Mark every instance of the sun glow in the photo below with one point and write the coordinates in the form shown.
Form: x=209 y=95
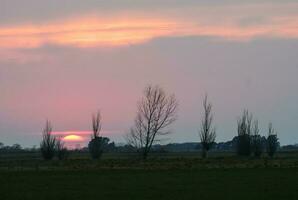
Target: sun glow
x=73 y=138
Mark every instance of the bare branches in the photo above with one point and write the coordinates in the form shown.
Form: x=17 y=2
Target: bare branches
x=96 y=145
x=207 y=132
x=257 y=144
x=244 y=128
x=245 y=124
x=156 y=111
x=271 y=130
x=48 y=143
x=96 y=124
x=255 y=128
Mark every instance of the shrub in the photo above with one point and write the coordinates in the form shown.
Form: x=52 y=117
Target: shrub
x=62 y=152
x=257 y=145
x=48 y=143
x=97 y=146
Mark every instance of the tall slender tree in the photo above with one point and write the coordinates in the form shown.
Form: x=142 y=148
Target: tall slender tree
x=272 y=141
x=257 y=143
x=96 y=144
x=244 y=128
x=207 y=132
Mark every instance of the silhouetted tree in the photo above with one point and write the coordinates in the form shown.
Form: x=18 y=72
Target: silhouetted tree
x=244 y=127
x=62 y=152
x=1 y=148
x=97 y=142
x=48 y=143
x=257 y=144
x=11 y=149
x=156 y=111
x=16 y=147
x=207 y=132
x=110 y=147
x=272 y=141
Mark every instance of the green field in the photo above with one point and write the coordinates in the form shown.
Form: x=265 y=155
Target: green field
x=162 y=176
x=151 y=184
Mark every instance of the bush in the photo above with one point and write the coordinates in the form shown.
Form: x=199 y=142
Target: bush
x=96 y=146
x=48 y=143
x=243 y=145
x=257 y=145
x=62 y=152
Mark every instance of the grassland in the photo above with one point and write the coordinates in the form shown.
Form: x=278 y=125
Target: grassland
x=151 y=184
x=163 y=176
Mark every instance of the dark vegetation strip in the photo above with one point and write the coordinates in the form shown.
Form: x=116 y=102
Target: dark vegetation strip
x=80 y=162
x=153 y=184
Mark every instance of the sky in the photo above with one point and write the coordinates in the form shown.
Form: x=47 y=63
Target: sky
x=64 y=60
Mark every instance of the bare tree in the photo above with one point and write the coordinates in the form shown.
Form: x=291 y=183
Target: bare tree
x=48 y=143
x=1 y=145
x=272 y=141
x=244 y=128
x=207 y=132
x=96 y=124
x=96 y=144
x=156 y=111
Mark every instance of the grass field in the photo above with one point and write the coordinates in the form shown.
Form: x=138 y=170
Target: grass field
x=151 y=184
x=163 y=176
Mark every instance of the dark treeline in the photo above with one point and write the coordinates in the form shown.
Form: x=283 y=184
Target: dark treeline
x=111 y=147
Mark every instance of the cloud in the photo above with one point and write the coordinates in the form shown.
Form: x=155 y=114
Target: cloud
x=241 y=22
x=85 y=32
x=95 y=31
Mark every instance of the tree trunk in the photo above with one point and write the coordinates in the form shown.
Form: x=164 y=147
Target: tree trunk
x=145 y=155
x=204 y=153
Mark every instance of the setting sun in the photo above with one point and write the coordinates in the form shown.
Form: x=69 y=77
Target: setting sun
x=73 y=138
